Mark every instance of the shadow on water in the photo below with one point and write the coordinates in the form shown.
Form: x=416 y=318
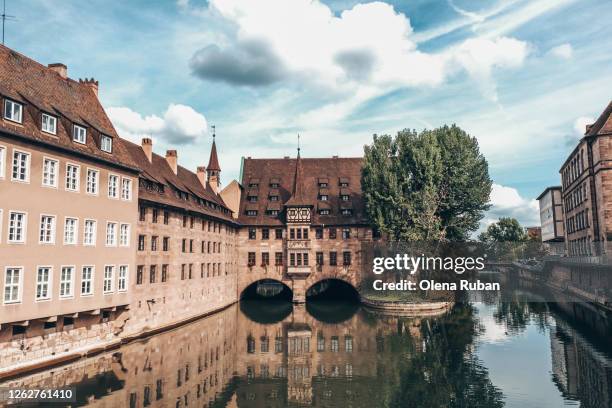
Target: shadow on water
x=266 y=311
x=332 y=301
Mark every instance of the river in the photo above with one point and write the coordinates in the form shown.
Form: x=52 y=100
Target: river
x=339 y=354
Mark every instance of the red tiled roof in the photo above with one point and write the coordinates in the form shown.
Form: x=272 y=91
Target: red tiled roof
x=264 y=172
x=298 y=197
x=158 y=171
x=40 y=89
x=213 y=162
x=603 y=124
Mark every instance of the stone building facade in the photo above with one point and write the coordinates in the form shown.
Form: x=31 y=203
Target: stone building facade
x=587 y=190
x=551 y=214
x=68 y=212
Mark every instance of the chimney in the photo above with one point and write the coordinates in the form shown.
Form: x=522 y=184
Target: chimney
x=201 y=172
x=172 y=159
x=147 y=148
x=91 y=83
x=60 y=68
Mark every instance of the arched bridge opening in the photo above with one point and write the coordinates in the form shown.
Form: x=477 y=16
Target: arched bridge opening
x=268 y=289
x=332 y=289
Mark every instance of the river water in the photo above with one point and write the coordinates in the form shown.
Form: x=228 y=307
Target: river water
x=339 y=354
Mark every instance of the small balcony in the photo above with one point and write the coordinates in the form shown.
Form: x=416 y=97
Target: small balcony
x=298 y=244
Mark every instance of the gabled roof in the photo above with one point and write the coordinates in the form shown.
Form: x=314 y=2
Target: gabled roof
x=213 y=162
x=263 y=173
x=186 y=181
x=40 y=89
x=603 y=124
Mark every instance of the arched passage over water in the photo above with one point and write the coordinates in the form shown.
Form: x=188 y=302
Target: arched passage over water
x=332 y=289
x=269 y=289
x=332 y=301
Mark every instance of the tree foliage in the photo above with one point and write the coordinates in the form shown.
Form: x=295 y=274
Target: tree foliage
x=433 y=185
x=505 y=230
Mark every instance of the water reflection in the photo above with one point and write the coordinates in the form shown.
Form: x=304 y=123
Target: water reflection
x=264 y=354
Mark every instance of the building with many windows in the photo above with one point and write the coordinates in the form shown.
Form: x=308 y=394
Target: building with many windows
x=551 y=214
x=587 y=189
x=68 y=211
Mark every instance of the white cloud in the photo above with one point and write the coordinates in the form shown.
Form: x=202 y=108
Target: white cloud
x=580 y=125
x=507 y=202
x=563 y=51
x=180 y=124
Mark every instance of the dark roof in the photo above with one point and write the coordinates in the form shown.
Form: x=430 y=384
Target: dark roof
x=40 y=89
x=213 y=162
x=603 y=124
x=298 y=196
x=263 y=172
x=547 y=189
x=159 y=172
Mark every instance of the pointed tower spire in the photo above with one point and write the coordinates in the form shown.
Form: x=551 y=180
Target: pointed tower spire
x=213 y=170
x=298 y=196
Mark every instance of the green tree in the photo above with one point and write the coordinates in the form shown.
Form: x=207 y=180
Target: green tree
x=432 y=185
x=505 y=230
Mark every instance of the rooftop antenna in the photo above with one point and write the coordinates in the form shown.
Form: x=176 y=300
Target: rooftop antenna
x=299 y=145
x=4 y=18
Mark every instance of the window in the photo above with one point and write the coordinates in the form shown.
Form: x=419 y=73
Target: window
x=12 y=283
x=124 y=235
x=49 y=123
x=17 y=227
x=166 y=243
x=319 y=258
x=66 y=277
x=333 y=258
x=278 y=258
x=265 y=259
x=141 y=242
x=346 y=258
x=139 y=273
x=292 y=233
x=13 y=111
x=252 y=199
x=334 y=346
x=154 y=243
x=152 y=273
x=154 y=215
x=2 y=160
x=323 y=197
x=43 y=279
x=166 y=217
x=49 y=176
x=164 y=275
x=278 y=233
x=106 y=144
x=348 y=344
x=21 y=166
x=251 y=213
x=47 y=229
x=319 y=233
x=126 y=189
x=79 y=134
x=89 y=232
x=109 y=275
x=347 y=211
x=344 y=197
x=324 y=211
x=113 y=185
x=72 y=177
x=265 y=233
x=332 y=233
x=184 y=221
x=252 y=233
x=273 y=198
x=346 y=233
x=92 y=181
x=111 y=234
x=251 y=259
x=87 y=274
x=70 y=231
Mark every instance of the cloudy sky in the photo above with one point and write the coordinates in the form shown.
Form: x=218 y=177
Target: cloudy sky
x=523 y=76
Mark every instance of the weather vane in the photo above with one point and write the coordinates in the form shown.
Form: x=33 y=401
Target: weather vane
x=5 y=17
x=213 y=127
x=299 y=144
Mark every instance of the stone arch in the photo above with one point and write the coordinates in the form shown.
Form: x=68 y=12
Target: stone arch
x=267 y=288
x=317 y=288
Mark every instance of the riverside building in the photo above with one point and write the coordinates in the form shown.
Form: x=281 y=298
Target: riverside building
x=68 y=212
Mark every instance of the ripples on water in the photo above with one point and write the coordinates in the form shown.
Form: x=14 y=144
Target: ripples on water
x=338 y=354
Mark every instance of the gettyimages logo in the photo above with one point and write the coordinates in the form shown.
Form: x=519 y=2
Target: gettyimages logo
x=412 y=264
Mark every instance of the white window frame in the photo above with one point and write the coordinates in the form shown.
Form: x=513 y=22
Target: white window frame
x=110 y=143
x=114 y=236
x=129 y=190
x=51 y=120
x=96 y=182
x=54 y=175
x=24 y=229
x=49 y=283
x=78 y=178
x=2 y=161
x=27 y=166
x=124 y=242
x=110 y=279
x=93 y=234
x=76 y=134
x=75 y=231
x=19 y=285
x=116 y=187
x=53 y=229
x=13 y=104
x=90 y=280
x=123 y=279
x=62 y=281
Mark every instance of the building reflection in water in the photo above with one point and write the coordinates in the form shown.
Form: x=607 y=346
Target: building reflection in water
x=279 y=355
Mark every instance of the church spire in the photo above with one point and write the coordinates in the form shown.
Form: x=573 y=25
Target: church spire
x=213 y=170
x=298 y=197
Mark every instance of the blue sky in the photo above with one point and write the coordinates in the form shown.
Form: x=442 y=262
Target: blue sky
x=521 y=75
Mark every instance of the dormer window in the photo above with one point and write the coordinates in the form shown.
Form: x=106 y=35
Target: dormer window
x=13 y=111
x=273 y=212
x=323 y=197
x=79 y=134
x=344 y=197
x=322 y=185
x=347 y=211
x=106 y=144
x=252 y=199
x=49 y=124
x=344 y=184
x=251 y=213
x=273 y=185
x=253 y=185
x=274 y=198
x=324 y=212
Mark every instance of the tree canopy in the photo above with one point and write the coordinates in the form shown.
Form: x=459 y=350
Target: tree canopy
x=432 y=186
x=505 y=230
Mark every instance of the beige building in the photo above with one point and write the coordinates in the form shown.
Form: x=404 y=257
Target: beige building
x=551 y=214
x=68 y=212
x=587 y=189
